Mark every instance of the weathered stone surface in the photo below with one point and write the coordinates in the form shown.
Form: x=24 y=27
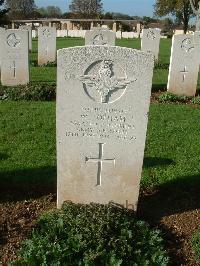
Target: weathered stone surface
x=2 y=32
x=151 y=41
x=98 y=36
x=103 y=96
x=29 y=29
x=15 y=58
x=46 y=45
x=184 y=65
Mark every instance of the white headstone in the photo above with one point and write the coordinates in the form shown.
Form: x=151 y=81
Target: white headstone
x=197 y=41
x=29 y=29
x=2 y=36
x=138 y=29
x=103 y=96
x=34 y=34
x=151 y=41
x=118 y=34
x=98 y=36
x=184 y=65
x=15 y=58
x=46 y=45
x=129 y=35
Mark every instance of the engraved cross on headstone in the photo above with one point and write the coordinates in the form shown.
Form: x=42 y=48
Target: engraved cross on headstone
x=184 y=72
x=100 y=160
x=13 y=67
x=46 y=50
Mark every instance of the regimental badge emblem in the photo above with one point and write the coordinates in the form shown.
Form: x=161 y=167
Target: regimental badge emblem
x=187 y=45
x=47 y=33
x=151 y=35
x=99 y=39
x=13 y=40
x=105 y=82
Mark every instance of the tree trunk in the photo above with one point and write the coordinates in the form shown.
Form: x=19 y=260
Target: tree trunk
x=186 y=16
x=185 y=25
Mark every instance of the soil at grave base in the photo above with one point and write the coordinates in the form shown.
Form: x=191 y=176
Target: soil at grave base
x=18 y=218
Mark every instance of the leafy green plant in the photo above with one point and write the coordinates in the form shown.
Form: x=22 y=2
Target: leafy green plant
x=196 y=245
x=93 y=235
x=196 y=100
x=170 y=97
x=34 y=63
x=30 y=92
x=49 y=64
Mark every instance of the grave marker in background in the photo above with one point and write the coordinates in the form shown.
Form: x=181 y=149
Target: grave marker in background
x=2 y=32
x=15 y=58
x=100 y=36
x=184 y=65
x=151 y=41
x=29 y=29
x=103 y=97
x=46 y=45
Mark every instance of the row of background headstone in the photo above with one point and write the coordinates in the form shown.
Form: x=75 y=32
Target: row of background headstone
x=184 y=63
x=81 y=34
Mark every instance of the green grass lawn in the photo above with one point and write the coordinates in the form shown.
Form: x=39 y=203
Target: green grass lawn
x=28 y=151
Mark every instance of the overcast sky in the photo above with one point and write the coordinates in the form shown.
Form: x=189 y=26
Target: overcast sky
x=131 y=7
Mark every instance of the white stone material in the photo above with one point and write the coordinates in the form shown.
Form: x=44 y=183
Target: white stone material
x=77 y=33
x=15 y=58
x=99 y=36
x=2 y=37
x=62 y=33
x=177 y=32
x=29 y=29
x=115 y=27
x=118 y=34
x=129 y=35
x=46 y=45
x=151 y=41
x=34 y=34
x=103 y=96
x=184 y=65
x=138 y=29
x=70 y=33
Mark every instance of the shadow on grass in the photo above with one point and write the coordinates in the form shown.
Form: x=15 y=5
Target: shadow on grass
x=173 y=197
x=156 y=161
x=34 y=63
x=3 y=156
x=27 y=183
x=159 y=87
